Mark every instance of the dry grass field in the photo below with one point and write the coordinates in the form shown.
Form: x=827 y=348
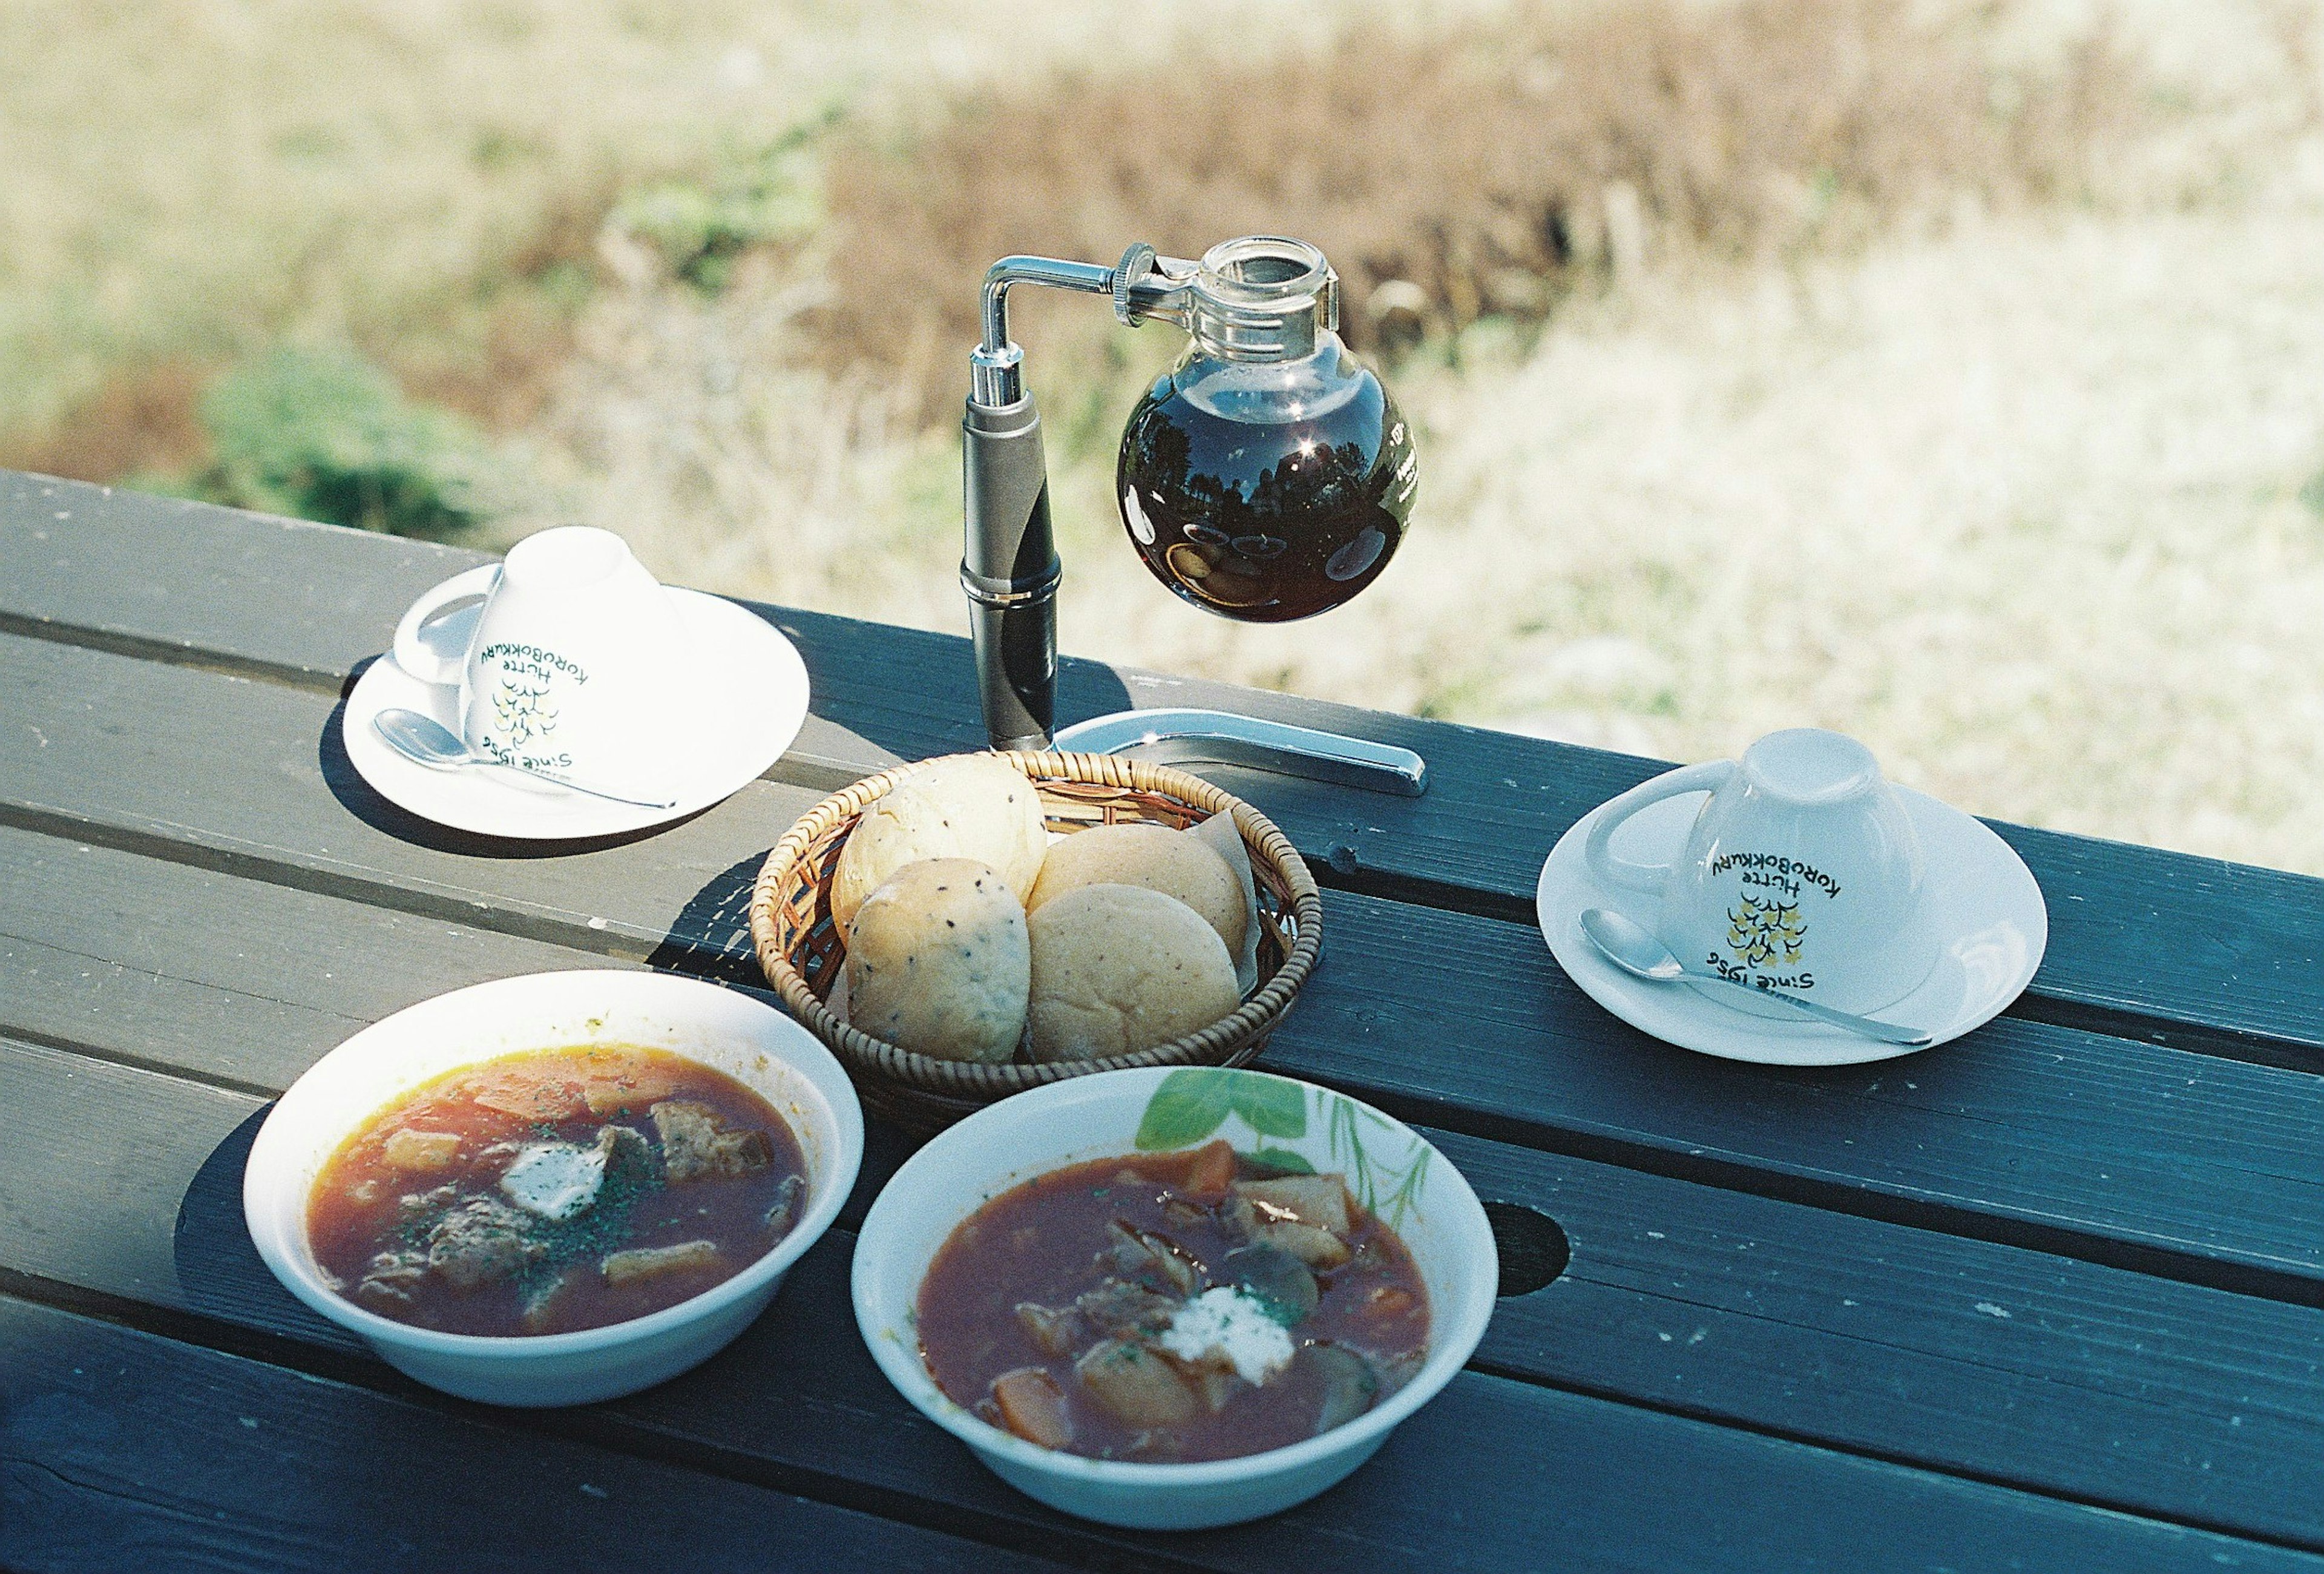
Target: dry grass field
x=1997 y=438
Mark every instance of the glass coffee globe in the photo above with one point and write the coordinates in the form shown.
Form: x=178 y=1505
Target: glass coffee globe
x=1267 y=475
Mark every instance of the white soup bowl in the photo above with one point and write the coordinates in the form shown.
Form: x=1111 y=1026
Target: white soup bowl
x=1390 y=1168
x=723 y=1029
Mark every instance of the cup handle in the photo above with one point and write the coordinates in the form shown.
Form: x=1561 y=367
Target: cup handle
x=1707 y=777
x=414 y=654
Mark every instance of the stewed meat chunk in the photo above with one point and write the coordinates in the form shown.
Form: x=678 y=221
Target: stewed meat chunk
x=696 y=1141
x=481 y=1240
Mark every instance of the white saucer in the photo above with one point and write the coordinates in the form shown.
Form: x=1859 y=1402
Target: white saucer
x=752 y=687
x=1990 y=920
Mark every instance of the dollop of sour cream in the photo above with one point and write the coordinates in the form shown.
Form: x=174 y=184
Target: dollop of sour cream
x=1233 y=1323
x=555 y=1179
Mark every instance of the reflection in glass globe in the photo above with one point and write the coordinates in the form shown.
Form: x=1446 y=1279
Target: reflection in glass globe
x=1267 y=490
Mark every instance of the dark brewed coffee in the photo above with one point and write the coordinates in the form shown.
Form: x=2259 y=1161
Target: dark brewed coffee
x=1267 y=520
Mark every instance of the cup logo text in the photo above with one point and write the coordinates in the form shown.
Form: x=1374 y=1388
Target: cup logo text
x=524 y=712
x=1765 y=942
x=1774 y=870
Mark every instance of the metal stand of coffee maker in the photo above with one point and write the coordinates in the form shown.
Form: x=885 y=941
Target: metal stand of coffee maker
x=1222 y=737
x=1010 y=569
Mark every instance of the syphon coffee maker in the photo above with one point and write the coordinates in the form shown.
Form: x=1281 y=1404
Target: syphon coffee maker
x=1265 y=476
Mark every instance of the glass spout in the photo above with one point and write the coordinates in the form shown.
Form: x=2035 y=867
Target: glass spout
x=1263 y=298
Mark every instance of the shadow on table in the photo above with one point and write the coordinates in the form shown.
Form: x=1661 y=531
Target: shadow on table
x=856 y=671
x=362 y=800
x=711 y=936
x=219 y=1270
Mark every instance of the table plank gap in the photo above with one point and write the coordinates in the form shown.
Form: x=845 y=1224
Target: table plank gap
x=130 y=1061
x=144 y=648
x=2194 y=1038
x=2037 y=1004
x=344 y=884
x=1839 y=1195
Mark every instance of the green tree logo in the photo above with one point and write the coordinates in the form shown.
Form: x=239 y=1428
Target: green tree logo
x=1759 y=932
x=522 y=710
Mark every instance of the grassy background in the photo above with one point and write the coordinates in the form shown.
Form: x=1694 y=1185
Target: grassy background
x=1943 y=372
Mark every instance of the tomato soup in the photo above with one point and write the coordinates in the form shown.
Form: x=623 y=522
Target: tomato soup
x=555 y=1190
x=1173 y=1307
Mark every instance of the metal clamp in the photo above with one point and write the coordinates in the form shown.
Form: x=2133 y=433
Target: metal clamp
x=1022 y=592
x=1136 y=264
x=1223 y=738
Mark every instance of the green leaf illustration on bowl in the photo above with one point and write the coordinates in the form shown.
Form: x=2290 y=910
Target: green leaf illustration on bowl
x=1191 y=1103
x=1388 y=1190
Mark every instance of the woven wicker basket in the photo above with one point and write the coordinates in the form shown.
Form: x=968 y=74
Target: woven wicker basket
x=801 y=948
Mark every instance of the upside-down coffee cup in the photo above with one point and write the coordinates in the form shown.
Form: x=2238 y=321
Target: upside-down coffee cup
x=1802 y=872
x=578 y=664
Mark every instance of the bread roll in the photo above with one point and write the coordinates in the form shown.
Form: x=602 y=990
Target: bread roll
x=1154 y=857
x=1119 y=968
x=968 y=806
x=939 y=961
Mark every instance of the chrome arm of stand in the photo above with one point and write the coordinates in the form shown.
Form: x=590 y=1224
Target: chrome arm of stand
x=1222 y=737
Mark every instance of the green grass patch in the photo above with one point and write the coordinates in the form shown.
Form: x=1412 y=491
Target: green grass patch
x=326 y=435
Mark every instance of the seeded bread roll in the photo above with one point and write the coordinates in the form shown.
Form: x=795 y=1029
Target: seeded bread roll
x=969 y=806
x=938 y=961
x=1154 y=857
x=1119 y=968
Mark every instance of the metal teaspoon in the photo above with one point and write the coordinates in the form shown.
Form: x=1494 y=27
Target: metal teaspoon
x=425 y=741
x=1637 y=950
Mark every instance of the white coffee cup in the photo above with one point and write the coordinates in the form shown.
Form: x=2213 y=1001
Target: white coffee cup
x=578 y=664
x=1802 y=872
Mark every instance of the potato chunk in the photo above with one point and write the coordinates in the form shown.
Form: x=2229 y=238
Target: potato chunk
x=1031 y=1405
x=652 y=1262
x=529 y=1097
x=418 y=1150
x=1317 y=1247
x=1053 y=1331
x=1136 y=1384
x=627 y=1093
x=1318 y=1200
x=1304 y=1214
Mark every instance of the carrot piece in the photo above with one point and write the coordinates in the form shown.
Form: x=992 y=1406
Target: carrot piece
x=1391 y=1301
x=1031 y=1405
x=1213 y=1170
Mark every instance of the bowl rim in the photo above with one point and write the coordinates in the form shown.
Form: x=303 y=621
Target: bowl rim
x=1449 y=1347
x=270 y=1156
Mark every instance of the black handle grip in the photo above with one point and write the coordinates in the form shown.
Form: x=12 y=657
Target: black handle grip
x=1010 y=569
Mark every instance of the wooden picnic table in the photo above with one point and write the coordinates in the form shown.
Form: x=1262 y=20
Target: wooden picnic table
x=2050 y=1296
